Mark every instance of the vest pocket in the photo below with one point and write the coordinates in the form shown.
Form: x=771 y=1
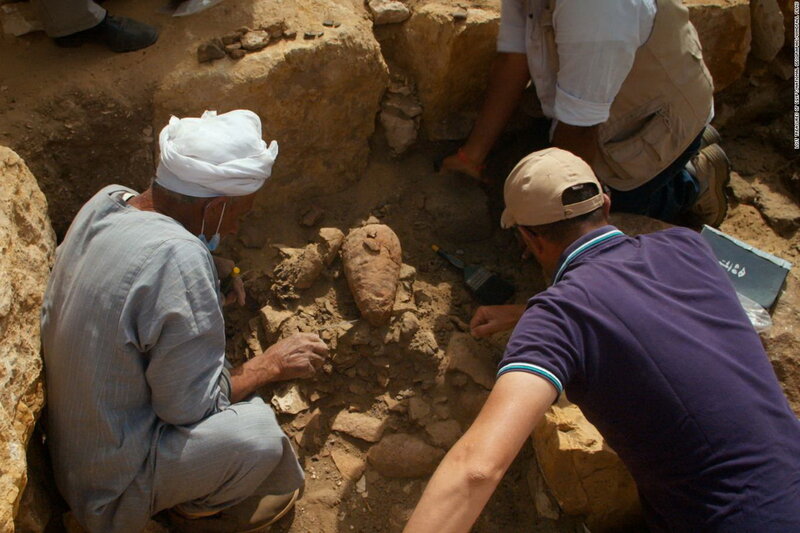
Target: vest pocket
x=643 y=153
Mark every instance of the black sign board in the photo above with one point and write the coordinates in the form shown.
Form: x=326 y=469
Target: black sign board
x=756 y=274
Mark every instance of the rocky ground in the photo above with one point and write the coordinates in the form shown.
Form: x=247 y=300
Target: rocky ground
x=372 y=426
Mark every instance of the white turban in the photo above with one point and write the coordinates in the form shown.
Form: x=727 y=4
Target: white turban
x=215 y=155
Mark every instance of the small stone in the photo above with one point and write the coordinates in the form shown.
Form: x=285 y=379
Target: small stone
x=312 y=216
x=388 y=12
x=418 y=409
x=331 y=23
x=407 y=272
x=231 y=38
x=309 y=35
x=459 y=15
x=404 y=456
x=289 y=400
x=741 y=189
x=359 y=425
x=276 y=29
x=210 y=51
x=233 y=46
x=408 y=326
x=361 y=486
x=290 y=34
x=350 y=466
x=237 y=54
x=444 y=433
x=255 y=40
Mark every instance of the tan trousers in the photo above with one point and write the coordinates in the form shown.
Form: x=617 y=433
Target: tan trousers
x=64 y=17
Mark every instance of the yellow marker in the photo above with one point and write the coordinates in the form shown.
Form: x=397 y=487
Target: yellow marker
x=226 y=284
x=434 y=247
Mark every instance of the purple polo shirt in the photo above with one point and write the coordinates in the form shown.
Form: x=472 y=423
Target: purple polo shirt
x=648 y=338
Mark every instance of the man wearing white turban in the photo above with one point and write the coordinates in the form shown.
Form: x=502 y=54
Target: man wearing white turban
x=145 y=414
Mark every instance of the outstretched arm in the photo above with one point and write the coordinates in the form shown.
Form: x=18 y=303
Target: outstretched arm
x=508 y=78
x=470 y=472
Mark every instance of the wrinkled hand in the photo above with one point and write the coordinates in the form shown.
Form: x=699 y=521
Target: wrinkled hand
x=494 y=318
x=298 y=356
x=455 y=164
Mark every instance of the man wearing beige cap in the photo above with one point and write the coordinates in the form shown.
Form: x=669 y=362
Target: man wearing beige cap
x=145 y=414
x=646 y=335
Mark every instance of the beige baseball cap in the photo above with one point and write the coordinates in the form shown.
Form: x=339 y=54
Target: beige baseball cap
x=534 y=189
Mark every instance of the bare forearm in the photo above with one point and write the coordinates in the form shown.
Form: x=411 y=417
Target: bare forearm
x=454 y=498
x=245 y=379
x=508 y=78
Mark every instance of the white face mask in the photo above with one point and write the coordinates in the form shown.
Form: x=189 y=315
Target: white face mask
x=214 y=242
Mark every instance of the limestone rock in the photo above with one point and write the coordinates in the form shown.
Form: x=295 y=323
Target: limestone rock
x=350 y=466
x=418 y=409
x=255 y=40
x=371 y=257
x=725 y=34
x=404 y=456
x=407 y=105
x=583 y=473
x=303 y=266
x=25 y=259
x=449 y=62
x=464 y=354
x=288 y=399
x=444 y=433
x=359 y=425
x=742 y=190
x=767 y=21
x=388 y=11
x=401 y=132
x=321 y=93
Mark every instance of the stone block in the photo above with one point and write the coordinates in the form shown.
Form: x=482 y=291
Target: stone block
x=25 y=260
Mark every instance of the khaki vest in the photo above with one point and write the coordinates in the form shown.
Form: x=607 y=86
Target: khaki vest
x=662 y=106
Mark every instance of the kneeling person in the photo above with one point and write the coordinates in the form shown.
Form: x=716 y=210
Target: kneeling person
x=647 y=337
x=144 y=413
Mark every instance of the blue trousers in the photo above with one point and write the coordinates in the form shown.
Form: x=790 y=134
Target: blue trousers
x=667 y=195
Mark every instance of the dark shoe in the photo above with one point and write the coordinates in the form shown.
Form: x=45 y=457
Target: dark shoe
x=120 y=34
x=254 y=514
x=712 y=170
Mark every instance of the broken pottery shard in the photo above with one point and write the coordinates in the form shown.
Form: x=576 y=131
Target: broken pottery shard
x=289 y=400
x=359 y=425
x=210 y=51
x=350 y=466
x=331 y=23
x=255 y=40
x=371 y=256
x=465 y=355
x=313 y=35
x=290 y=34
x=404 y=456
x=388 y=12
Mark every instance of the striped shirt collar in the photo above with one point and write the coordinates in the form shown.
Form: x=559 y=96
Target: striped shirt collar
x=580 y=246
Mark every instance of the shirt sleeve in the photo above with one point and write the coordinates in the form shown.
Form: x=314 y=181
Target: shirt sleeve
x=177 y=322
x=511 y=35
x=597 y=43
x=545 y=342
